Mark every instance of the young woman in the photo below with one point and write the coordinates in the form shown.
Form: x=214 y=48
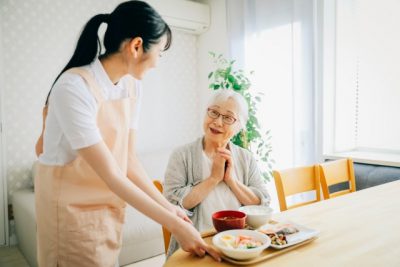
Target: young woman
x=87 y=164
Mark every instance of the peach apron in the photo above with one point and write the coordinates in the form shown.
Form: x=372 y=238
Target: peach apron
x=79 y=220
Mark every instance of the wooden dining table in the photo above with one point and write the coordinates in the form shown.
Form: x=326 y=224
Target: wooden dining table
x=357 y=229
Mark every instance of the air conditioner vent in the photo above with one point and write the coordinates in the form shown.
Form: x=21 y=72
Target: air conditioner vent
x=184 y=15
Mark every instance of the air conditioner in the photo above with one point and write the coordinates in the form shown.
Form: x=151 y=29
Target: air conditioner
x=187 y=16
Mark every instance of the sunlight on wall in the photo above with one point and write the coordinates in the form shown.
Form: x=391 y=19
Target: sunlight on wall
x=271 y=57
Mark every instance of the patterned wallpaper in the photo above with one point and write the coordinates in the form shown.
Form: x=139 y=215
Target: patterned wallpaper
x=38 y=37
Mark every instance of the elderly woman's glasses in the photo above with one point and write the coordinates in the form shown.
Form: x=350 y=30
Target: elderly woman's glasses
x=213 y=114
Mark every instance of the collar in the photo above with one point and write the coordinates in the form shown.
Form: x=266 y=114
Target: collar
x=102 y=76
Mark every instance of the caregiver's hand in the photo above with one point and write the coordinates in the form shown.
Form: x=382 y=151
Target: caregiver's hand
x=180 y=213
x=190 y=240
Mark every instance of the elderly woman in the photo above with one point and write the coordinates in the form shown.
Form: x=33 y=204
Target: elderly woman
x=212 y=173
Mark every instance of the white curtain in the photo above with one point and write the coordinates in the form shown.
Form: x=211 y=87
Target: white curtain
x=275 y=39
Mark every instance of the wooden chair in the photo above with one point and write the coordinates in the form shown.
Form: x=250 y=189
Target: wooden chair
x=336 y=172
x=166 y=233
x=294 y=181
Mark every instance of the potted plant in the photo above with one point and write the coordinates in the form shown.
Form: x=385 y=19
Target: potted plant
x=226 y=77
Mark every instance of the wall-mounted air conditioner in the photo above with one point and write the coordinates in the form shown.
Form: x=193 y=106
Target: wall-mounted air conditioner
x=184 y=15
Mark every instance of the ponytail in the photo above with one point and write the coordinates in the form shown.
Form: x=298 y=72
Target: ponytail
x=129 y=20
x=87 y=48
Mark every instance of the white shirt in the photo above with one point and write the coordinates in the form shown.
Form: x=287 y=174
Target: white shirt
x=220 y=198
x=71 y=120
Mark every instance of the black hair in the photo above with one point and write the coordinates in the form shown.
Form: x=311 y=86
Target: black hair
x=128 y=20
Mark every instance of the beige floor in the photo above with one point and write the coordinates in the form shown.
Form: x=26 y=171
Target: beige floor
x=12 y=257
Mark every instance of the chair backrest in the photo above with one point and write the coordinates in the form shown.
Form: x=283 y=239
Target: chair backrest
x=336 y=172
x=166 y=233
x=294 y=181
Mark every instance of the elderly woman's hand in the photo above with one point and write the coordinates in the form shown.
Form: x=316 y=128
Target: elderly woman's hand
x=218 y=168
x=227 y=155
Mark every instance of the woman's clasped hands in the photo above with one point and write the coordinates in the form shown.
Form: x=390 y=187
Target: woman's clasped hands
x=222 y=167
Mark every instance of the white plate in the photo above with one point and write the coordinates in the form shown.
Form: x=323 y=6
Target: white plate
x=303 y=234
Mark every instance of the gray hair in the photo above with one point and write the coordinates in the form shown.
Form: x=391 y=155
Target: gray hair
x=222 y=95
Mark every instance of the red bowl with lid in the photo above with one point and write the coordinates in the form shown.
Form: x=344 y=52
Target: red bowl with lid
x=228 y=219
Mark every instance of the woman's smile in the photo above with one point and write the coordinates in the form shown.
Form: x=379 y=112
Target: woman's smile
x=215 y=131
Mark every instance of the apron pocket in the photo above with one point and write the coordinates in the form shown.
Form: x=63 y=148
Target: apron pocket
x=93 y=237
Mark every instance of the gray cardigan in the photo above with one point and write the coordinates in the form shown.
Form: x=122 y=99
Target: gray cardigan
x=184 y=171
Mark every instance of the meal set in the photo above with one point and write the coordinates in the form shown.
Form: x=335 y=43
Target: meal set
x=261 y=232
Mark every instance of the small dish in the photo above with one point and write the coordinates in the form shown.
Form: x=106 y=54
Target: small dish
x=224 y=240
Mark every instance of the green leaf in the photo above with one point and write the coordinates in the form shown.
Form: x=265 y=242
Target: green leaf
x=237 y=86
x=210 y=74
x=216 y=86
x=231 y=79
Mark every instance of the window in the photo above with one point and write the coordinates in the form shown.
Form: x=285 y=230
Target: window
x=278 y=46
x=361 y=62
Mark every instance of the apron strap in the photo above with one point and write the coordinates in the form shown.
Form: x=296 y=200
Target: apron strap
x=131 y=87
x=131 y=84
x=91 y=82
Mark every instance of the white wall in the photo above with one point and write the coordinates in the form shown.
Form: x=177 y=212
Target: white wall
x=169 y=115
x=215 y=40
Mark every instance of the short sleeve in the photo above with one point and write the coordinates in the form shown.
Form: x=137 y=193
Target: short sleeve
x=75 y=109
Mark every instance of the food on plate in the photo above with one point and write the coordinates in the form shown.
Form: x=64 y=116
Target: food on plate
x=278 y=233
x=276 y=239
x=240 y=242
x=288 y=229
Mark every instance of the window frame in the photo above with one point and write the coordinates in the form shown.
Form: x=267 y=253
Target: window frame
x=325 y=81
